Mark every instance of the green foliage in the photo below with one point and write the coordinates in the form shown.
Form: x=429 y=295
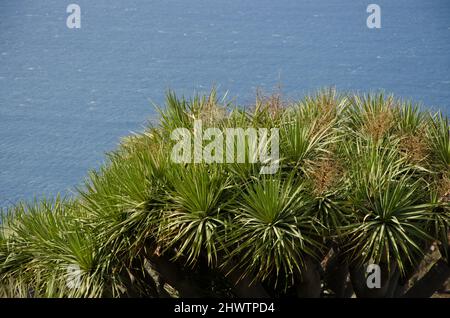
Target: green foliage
x=369 y=174
x=41 y=241
x=439 y=130
x=272 y=229
x=194 y=216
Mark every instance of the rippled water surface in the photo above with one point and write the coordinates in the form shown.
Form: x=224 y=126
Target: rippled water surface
x=68 y=95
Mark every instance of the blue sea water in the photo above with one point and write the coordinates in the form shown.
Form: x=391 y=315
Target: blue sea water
x=68 y=95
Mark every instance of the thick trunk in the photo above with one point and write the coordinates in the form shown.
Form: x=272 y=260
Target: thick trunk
x=310 y=284
x=242 y=285
x=336 y=276
x=403 y=282
x=140 y=284
x=135 y=284
x=393 y=284
x=174 y=276
x=411 y=270
x=431 y=282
